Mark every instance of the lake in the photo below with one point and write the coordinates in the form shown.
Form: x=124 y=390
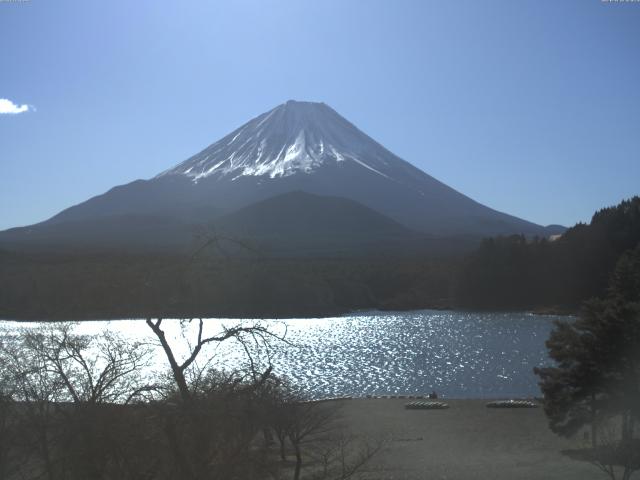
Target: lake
x=457 y=354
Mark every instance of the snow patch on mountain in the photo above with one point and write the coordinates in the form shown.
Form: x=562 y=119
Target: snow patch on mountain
x=293 y=138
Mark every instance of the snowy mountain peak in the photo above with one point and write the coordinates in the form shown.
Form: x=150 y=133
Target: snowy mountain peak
x=295 y=137
x=296 y=147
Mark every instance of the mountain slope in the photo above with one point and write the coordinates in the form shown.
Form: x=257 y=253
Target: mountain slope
x=297 y=146
x=124 y=232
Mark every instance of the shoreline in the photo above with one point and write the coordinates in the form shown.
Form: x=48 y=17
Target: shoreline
x=425 y=396
x=340 y=314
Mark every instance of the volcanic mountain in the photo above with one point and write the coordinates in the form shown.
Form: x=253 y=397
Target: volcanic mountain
x=301 y=147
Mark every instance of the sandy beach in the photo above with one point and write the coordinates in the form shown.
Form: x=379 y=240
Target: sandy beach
x=466 y=441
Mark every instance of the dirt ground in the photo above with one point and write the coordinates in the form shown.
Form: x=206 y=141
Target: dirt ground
x=467 y=441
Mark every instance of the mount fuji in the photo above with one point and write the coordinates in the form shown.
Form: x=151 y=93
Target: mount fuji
x=266 y=179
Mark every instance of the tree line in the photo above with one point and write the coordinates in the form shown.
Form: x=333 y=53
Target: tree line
x=519 y=273
x=107 y=285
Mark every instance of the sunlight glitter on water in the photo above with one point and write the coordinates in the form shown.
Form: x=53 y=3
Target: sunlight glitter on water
x=458 y=354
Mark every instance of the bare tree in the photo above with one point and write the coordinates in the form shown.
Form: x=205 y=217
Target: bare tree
x=69 y=387
x=37 y=391
x=93 y=369
x=316 y=435
x=11 y=457
x=344 y=456
x=179 y=368
x=211 y=426
x=78 y=419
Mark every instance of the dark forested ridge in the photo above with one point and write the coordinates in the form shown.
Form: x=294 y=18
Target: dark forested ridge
x=504 y=273
x=106 y=286
x=518 y=273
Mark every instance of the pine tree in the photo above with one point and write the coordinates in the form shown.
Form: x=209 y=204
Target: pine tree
x=597 y=371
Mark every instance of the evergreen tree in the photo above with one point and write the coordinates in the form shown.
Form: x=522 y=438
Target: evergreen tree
x=523 y=273
x=597 y=371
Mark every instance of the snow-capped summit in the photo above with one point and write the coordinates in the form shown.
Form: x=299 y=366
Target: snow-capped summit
x=295 y=137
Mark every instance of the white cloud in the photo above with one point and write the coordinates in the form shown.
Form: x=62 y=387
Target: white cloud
x=7 y=106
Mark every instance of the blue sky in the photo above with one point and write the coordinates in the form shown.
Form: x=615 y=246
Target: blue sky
x=530 y=107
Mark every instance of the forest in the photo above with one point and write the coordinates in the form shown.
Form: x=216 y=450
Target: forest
x=516 y=273
x=108 y=286
x=503 y=273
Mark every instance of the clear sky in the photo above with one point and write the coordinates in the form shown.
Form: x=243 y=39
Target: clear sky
x=531 y=107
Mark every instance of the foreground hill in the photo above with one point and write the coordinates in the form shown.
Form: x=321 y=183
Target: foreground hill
x=300 y=223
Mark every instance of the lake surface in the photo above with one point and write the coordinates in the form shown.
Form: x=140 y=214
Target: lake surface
x=457 y=354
